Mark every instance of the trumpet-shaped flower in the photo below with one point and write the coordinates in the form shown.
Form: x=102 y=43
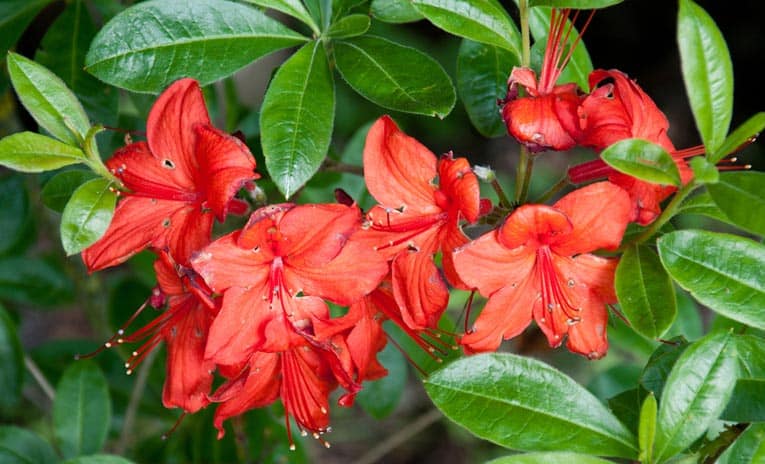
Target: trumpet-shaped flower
x=186 y=173
x=538 y=265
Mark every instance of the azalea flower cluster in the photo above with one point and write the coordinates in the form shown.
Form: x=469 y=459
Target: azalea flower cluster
x=252 y=306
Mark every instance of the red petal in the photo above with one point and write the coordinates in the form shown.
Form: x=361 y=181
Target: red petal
x=506 y=314
x=306 y=384
x=391 y=231
x=353 y=273
x=225 y=163
x=223 y=264
x=147 y=176
x=170 y=131
x=588 y=337
x=314 y=234
x=398 y=169
x=452 y=238
x=535 y=121
x=460 y=186
x=189 y=375
x=599 y=213
x=488 y=265
x=258 y=387
x=533 y=226
x=419 y=290
x=594 y=272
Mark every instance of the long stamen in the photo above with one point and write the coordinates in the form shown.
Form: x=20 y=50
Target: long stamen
x=117 y=338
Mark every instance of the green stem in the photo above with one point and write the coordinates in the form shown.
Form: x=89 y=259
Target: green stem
x=523 y=7
x=504 y=201
x=669 y=212
x=39 y=377
x=93 y=158
x=560 y=185
x=523 y=175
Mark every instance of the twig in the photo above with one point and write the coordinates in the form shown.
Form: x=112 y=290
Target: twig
x=400 y=437
x=142 y=377
x=45 y=386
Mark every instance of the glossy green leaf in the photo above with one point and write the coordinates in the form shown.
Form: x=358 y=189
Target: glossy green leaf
x=660 y=364
x=579 y=67
x=381 y=71
x=33 y=152
x=185 y=38
x=33 y=281
x=741 y=197
x=98 y=459
x=59 y=189
x=575 y=4
x=63 y=50
x=647 y=428
x=524 y=404
x=394 y=11
x=702 y=203
x=296 y=118
x=724 y=272
x=294 y=8
x=15 y=16
x=14 y=214
x=482 y=72
x=696 y=392
x=21 y=446
x=548 y=458
x=626 y=407
x=704 y=171
x=749 y=447
x=380 y=397
x=707 y=73
x=688 y=323
x=48 y=100
x=742 y=135
x=643 y=160
x=12 y=360
x=349 y=26
x=484 y=21
x=82 y=410
x=87 y=215
x=645 y=291
x=747 y=403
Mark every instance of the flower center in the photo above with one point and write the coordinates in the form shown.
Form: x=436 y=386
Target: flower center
x=554 y=295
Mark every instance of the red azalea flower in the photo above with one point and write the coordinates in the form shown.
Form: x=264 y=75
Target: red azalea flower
x=275 y=273
x=183 y=326
x=186 y=172
x=540 y=118
x=621 y=110
x=416 y=218
x=537 y=264
x=302 y=376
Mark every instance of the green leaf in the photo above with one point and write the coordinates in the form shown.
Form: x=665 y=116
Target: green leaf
x=12 y=360
x=87 y=215
x=626 y=407
x=707 y=72
x=32 y=152
x=742 y=135
x=660 y=364
x=645 y=291
x=482 y=72
x=296 y=118
x=747 y=403
x=33 y=281
x=575 y=4
x=63 y=50
x=48 y=100
x=349 y=26
x=15 y=16
x=82 y=410
x=59 y=189
x=380 y=398
x=741 y=197
x=696 y=392
x=643 y=160
x=381 y=71
x=548 y=458
x=749 y=448
x=186 y=38
x=704 y=171
x=98 y=459
x=14 y=215
x=579 y=67
x=394 y=11
x=293 y=8
x=524 y=404
x=703 y=204
x=20 y=446
x=724 y=272
x=647 y=428
x=688 y=323
x=484 y=21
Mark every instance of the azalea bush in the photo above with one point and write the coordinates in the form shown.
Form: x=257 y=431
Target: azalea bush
x=238 y=276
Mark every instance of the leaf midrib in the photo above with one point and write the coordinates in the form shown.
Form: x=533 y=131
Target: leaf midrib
x=507 y=45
